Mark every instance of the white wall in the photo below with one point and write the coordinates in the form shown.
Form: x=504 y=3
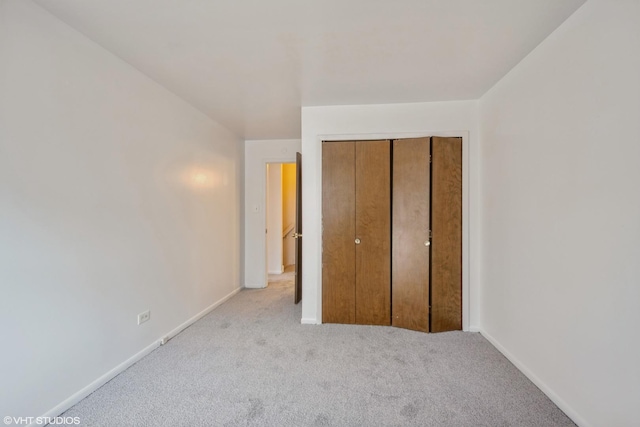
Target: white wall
x=561 y=214
x=257 y=154
x=274 y=218
x=458 y=118
x=115 y=197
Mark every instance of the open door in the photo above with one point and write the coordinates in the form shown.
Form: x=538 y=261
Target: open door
x=297 y=234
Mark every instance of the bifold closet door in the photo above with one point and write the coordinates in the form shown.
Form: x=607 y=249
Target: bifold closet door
x=416 y=282
x=446 y=229
x=338 y=232
x=373 y=232
x=410 y=258
x=356 y=237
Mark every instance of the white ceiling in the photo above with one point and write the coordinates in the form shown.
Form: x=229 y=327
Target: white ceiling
x=251 y=64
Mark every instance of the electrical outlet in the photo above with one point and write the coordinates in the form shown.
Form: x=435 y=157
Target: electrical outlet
x=143 y=317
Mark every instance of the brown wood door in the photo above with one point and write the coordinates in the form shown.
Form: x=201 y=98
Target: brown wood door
x=339 y=229
x=410 y=253
x=298 y=231
x=373 y=232
x=446 y=228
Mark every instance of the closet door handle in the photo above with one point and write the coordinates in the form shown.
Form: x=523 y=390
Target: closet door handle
x=357 y=241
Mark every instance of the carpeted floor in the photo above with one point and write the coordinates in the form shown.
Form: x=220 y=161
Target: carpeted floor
x=251 y=363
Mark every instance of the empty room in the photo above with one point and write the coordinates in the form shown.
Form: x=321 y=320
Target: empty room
x=320 y=213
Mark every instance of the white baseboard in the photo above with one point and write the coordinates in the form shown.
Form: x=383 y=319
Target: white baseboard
x=473 y=328
x=86 y=391
x=102 y=380
x=253 y=286
x=309 y=321
x=198 y=316
x=537 y=381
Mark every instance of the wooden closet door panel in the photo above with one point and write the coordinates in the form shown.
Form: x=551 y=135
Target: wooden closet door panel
x=373 y=228
x=446 y=228
x=338 y=223
x=410 y=255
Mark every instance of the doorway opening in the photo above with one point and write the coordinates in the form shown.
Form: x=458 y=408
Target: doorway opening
x=280 y=220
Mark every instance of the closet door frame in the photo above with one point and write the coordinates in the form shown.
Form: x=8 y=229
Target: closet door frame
x=466 y=262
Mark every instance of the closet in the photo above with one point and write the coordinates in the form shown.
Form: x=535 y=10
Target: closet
x=392 y=233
